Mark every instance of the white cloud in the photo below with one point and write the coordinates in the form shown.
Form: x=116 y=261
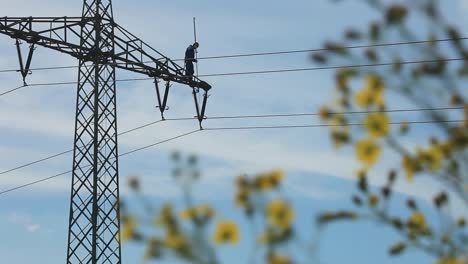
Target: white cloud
x=25 y=221
x=38 y=110
x=33 y=228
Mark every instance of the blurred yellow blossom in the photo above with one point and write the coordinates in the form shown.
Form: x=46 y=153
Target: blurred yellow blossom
x=279 y=259
x=128 y=229
x=276 y=176
x=340 y=137
x=377 y=124
x=263 y=183
x=374 y=83
x=367 y=151
x=338 y=120
x=166 y=216
x=280 y=214
x=410 y=166
x=226 y=233
x=452 y=260
x=372 y=94
x=431 y=158
x=366 y=98
x=373 y=200
x=202 y=211
x=189 y=213
x=417 y=220
x=242 y=198
x=175 y=240
x=325 y=113
x=153 y=249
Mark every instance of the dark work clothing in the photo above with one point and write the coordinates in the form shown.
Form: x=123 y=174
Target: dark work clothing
x=190 y=53
x=189 y=69
x=189 y=60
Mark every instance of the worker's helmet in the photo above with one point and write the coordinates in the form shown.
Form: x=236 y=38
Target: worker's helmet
x=196 y=45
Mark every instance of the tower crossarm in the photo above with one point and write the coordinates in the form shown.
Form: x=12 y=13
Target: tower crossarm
x=58 y=33
x=130 y=52
x=133 y=54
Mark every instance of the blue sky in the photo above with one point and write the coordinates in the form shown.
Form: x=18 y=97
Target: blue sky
x=38 y=121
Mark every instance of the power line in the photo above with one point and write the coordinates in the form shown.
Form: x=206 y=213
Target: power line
x=240 y=117
x=273 y=52
x=34 y=182
x=121 y=155
x=71 y=150
x=336 y=113
x=227 y=128
x=158 y=143
x=260 y=72
x=328 y=49
x=321 y=125
x=331 y=67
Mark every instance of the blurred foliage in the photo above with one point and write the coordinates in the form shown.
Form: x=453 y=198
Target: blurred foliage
x=360 y=122
x=371 y=132
x=194 y=231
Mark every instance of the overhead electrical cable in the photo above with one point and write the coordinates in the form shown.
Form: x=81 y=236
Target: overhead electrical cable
x=226 y=128
x=258 y=72
x=274 y=52
x=242 y=117
x=124 y=154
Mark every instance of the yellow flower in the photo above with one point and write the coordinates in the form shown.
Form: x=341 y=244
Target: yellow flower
x=373 y=200
x=375 y=83
x=276 y=177
x=206 y=210
x=278 y=259
x=166 y=216
x=377 y=124
x=410 y=166
x=452 y=260
x=202 y=211
x=340 y=137
x=226 y=232
x=364 y=98
x=189 y=213
x=175 y=241
x=461 y=222
x=153 y=249
x=242 y=198
x=128 y=229
x=431 y=158
x=367 y=151
x=325 y=113
x=280 y=214
x=417 y=220
x=338 y=120
x=372 y=93
x=263 y=183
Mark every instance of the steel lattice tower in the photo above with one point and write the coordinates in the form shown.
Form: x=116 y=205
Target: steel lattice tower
x=93 y=234
x=101 y=46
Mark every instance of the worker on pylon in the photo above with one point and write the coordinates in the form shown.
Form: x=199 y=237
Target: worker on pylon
x=190 y=59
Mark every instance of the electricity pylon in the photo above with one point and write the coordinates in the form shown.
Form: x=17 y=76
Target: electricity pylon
x=101 y=46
